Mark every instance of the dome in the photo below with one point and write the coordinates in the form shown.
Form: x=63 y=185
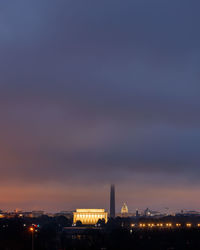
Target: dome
x=124 y=209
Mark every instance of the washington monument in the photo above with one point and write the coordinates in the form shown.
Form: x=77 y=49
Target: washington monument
x=112 y=201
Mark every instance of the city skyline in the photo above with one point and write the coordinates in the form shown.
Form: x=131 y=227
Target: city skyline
x=99 y=92
x=118 y=203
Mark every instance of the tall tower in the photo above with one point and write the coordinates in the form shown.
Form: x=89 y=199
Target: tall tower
x=112 y=201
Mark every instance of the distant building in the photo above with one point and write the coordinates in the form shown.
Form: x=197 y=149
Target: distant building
x=150 y=213
x=124 y=213
x=2 y=215
x=25 y=214
x=112 y=201
x=37 y=214
x=147 y=212
x=19 y=214
x=188 y=213
x=89 y=216
x=124 y=209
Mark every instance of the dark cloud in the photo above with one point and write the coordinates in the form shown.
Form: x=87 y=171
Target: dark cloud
x=99 y=90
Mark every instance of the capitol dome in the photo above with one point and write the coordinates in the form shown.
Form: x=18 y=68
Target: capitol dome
x=124 y=209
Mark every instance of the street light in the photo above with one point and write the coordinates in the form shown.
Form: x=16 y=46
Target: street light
x=32 y=230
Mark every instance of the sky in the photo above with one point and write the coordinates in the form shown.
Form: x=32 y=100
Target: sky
x=99 y=92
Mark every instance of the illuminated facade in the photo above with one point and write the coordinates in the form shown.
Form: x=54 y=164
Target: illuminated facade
x=89 y=216
x=124 y=209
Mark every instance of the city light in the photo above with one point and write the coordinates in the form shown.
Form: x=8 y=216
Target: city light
x=165 y=226
x=90 y=216
x=142 y=225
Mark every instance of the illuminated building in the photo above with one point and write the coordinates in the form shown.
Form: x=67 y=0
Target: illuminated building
x=89 y=216
x=124 y=209
x=137 y=213
x=2 y=215
x=112 y=201
x=147 y=212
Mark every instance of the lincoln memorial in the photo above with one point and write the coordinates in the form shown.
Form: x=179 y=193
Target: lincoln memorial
x=89 y=216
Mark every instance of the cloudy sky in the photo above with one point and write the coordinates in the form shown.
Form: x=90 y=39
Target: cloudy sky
x=98 y=92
